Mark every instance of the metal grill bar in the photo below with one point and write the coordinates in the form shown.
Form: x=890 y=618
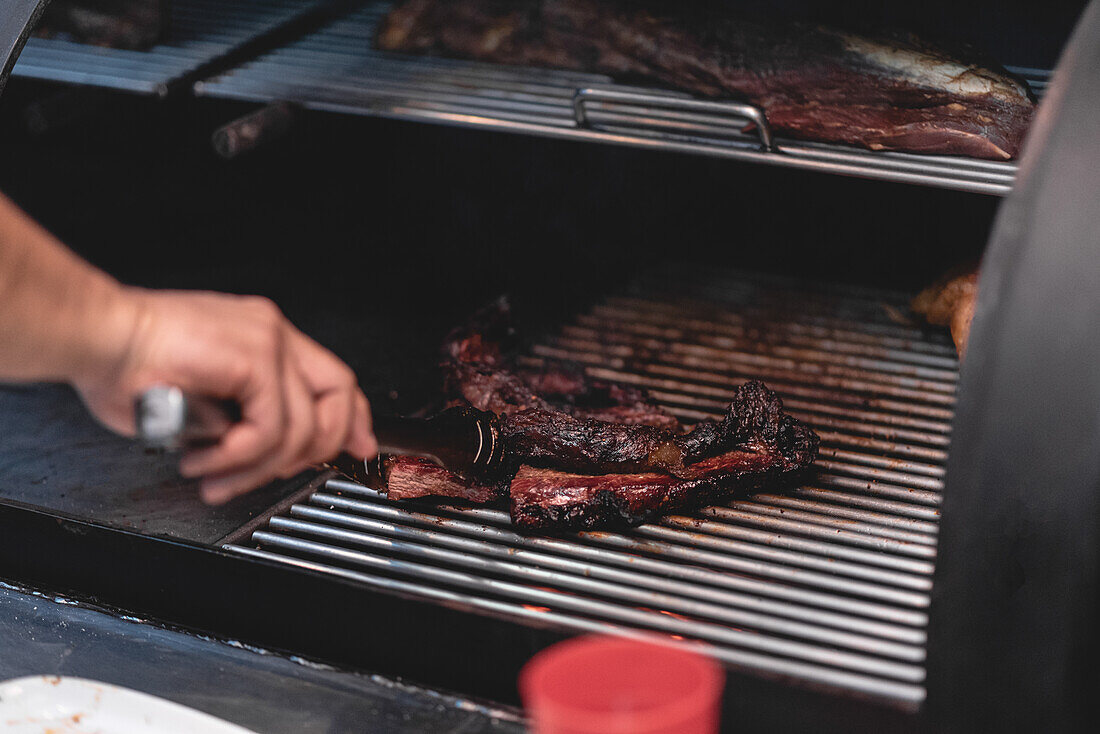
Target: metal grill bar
x=831 y=521
x=831 y=579
x=791 y=540
x=766 y=550
x=719 y=384
x=901 y=509
x=336 y=69
x=764 y=664
x=667 y=543
x=662 y=620
x=718 y=354
x=659 y=568
x=855 y=356
x=200 y=31
x=593 y=579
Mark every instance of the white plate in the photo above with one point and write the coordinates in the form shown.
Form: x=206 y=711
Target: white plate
x=61 y=705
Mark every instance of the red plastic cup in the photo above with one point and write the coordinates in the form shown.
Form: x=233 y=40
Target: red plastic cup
x=614 y=685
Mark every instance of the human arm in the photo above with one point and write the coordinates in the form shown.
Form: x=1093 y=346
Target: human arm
x=63 y=320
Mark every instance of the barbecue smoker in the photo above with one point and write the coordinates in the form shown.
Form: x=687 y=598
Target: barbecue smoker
x=938 y=570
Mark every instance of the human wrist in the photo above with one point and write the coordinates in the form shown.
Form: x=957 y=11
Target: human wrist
x=105 y=332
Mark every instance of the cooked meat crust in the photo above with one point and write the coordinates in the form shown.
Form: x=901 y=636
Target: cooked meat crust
x=950 y=302
x=566 y=469
x=754 y=420
x=547 y=498
x=889 y=91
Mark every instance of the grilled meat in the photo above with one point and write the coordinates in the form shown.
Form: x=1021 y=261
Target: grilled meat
x=626 y=471
x=633 y=472
x=546 y=498
x=409 y=477
x=886 y=92
x=478 y=371
x=491 y=388
x=127 y=24
x=754 y=421
x=573 y=391
x=754 y=444
x=950 y=302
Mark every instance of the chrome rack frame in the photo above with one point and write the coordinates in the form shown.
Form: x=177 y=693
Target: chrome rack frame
x=715 y=114
x=204 y=35
x=336 y=69
x=325 y=62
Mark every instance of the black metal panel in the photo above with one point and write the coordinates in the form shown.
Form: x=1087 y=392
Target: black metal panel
x=1014 y=634
x=54 y=455
x=264 y=692
x=264 y=604
x=17 y=17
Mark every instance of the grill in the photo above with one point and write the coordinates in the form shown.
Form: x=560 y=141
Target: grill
x=844 y=603
x=200 y=33
x=825 y=585
x=335 y=69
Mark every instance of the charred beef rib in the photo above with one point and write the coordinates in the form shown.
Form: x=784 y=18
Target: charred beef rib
x=566 y=468
x=754 y=421
x=886 y=92
x=634 y=473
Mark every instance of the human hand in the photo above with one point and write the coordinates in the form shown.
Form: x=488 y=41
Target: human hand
x=300 y=405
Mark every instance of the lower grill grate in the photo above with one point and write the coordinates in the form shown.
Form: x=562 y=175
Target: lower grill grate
x=336 y=68
x=826 y=584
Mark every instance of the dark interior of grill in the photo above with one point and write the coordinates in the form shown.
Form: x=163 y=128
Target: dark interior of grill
x=342 y=204
x=376 y=236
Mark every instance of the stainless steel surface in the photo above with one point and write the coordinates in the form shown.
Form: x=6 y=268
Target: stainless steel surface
x=337 y=69
x=200 y=31
x=741 y=114
x=15 y=19
x=166 y=417
x=825 y=584
x=160 y=415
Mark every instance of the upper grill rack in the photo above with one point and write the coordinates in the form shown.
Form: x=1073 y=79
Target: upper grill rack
x=199 y=32
x=335 y=68
x=827 y=584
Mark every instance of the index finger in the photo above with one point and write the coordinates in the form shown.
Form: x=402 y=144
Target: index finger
x=260 y=430
x=322 y=370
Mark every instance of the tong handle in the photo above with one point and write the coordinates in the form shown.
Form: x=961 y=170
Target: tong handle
x=464 y=440
x=168 y=418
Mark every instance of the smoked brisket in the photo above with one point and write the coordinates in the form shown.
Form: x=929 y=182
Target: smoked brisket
x=884 y=91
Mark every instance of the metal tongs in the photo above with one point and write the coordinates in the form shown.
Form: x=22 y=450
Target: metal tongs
x=465 y=441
